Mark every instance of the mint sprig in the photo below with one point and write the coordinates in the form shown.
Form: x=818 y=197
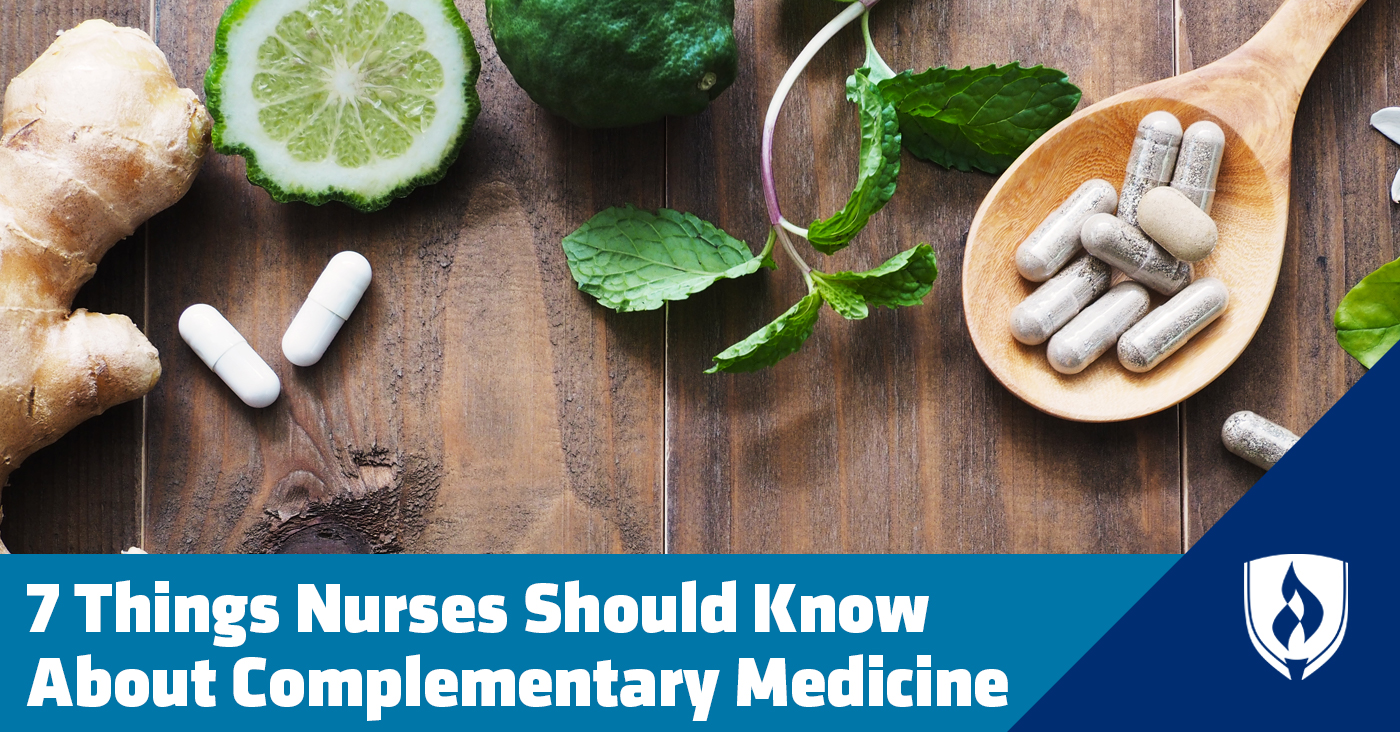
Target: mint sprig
x=967 y=118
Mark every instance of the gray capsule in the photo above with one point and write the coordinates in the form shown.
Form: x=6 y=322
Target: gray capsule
x=1097 y=328
x=1151 y=162
x=1170 y=326
x=1052 y=243
x=1125 y=246
x=1058 y=300
x=1198 y=164
x=1256 y=439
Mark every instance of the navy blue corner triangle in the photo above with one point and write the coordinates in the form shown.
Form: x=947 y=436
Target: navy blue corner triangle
x=1183 y=658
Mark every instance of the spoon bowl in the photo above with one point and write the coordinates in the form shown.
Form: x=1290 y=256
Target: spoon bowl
x=1253 y=95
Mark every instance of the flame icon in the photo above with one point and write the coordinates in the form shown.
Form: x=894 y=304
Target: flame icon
x=1289 y=620
x=1296 y=627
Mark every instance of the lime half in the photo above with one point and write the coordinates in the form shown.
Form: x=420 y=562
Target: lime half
x=358 y=101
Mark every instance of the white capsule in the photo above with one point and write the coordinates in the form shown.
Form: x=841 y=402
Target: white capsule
x=1256 y=439
x=1058 y=300
x=1198 y=163
x=1151 y=162
x=1052 y=243
x=1097 y=328
x=1125 y=246
x=222 y=348
x=1169 y=327
x=332 y=299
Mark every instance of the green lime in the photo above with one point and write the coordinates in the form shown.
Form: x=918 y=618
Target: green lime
x=614 y=63
x=358 y=101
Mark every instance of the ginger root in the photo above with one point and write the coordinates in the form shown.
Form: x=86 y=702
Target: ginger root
x=97 y=137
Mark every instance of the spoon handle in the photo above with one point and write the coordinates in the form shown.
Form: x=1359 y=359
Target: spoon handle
x=1256 y=89
x=1294 y=41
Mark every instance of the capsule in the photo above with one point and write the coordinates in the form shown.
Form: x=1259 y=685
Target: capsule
x=1125 y=246
x=1198 y=164
x=222 y=348
x=1256 y=439
x=1097 y=329
x=1056 y=240
x=1058 y=300
x=1170 y=326
x=1151 y=162
x=1173 y=221
x=327 y=307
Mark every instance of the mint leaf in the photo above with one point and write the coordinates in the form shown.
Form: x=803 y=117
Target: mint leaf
x=1368 y=318
x=636 y=260
x=903 y=280
x=879 y=166
x=841 y=298
x=978 y=118
x=774 y=342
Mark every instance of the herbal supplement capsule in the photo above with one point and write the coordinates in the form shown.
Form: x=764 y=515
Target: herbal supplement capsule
x=1173 y=221
x=1198 y=164
x=1125 y=246
x=1170 y=326
x=332 y=299
x=1058 y=300
x=1256 y=439
x=1097 y=329
x=1151 y=162
x=222 y=348
x=1052 y=243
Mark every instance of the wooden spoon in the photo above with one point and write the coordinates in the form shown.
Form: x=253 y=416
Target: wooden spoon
x=1253 y=95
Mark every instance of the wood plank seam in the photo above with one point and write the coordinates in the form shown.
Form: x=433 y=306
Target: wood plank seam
x=154 y=28
x=1181 y=63
x=666 y=359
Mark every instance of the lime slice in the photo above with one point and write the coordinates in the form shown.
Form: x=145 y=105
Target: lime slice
x=358 y=101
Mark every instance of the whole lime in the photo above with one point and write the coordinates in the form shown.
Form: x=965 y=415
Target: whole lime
x=614 y=63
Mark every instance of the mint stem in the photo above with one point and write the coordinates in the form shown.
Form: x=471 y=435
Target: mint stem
x=879 y=70
x=770 y=121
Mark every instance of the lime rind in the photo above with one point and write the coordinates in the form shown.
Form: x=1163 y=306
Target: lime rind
x=418 y=125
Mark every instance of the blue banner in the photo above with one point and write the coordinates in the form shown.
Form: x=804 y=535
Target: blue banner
x=748 y=642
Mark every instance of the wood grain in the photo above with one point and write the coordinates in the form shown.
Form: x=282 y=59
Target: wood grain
x=888 y=434
x=474 y=402
x=1342 y=226
x=83 y=493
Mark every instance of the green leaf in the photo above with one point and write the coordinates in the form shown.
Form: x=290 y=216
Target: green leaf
x=978 y=118
x=903 y=280
x=1368 y=318
x=775 y=341
x=636 y=260
x=879 y=166
x=841 y=298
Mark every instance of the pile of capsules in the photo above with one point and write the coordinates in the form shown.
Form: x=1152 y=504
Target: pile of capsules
x=1158 y=232
x=222 y=348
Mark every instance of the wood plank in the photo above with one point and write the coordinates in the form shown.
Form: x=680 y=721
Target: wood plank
x=475 y=402
x=1341 y=227
x=889 y=434
x=83 y=493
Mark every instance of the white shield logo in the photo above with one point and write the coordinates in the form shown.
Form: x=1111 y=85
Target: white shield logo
x=1295 y=606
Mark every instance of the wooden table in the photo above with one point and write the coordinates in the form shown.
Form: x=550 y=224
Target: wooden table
x=477 y=402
